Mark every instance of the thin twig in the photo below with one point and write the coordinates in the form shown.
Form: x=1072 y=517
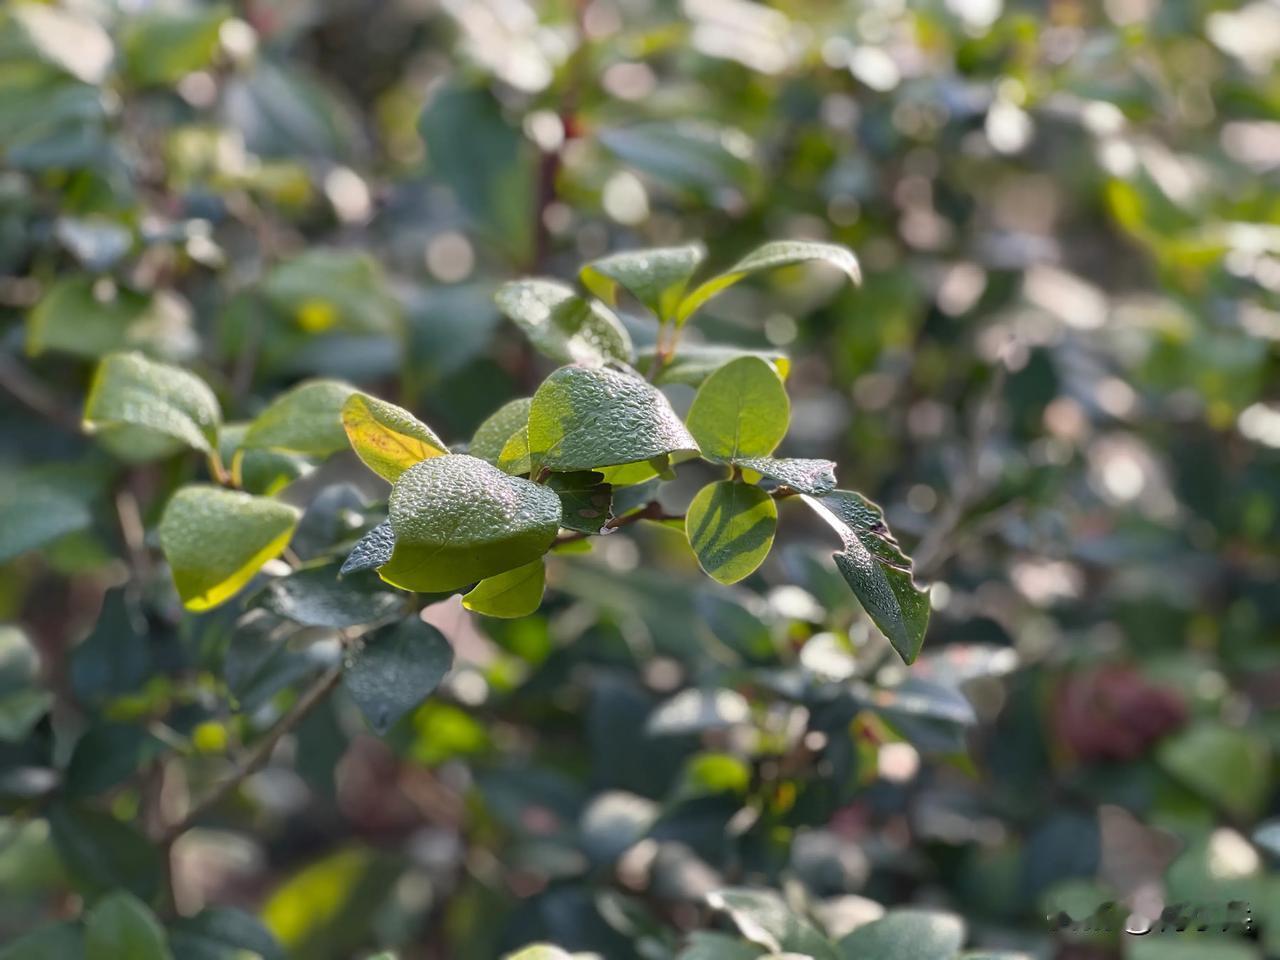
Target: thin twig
x=938 y=543
x=258 y=756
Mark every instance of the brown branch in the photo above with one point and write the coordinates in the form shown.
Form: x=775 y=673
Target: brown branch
x=258 y=756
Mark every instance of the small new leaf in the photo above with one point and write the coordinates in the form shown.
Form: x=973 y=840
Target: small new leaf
x=168 y=405
x=583 y=418
x=656 y=277
x=876 y=569
x=215 y=540
x=516 y=593
x=730 y=526
x=770 y=256
x=564 y=326
x=397 y=668
x=389 y=439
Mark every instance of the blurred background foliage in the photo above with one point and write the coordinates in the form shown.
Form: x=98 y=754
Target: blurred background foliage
x=1059 y=377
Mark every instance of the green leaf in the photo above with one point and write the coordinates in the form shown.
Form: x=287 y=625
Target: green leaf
x=120 y=925
x=458 y=520
x=486 y=161
x=707 y=945
x=516 y=593
x=389 y=439
x=107 y=754
x=764 y=918
x=101 y=854
x=770 y=256
x=42 y=504
x=329 y=291
x=397 y=668
x=161 y=47
x=730 y=526
x=686 y=155
x=814 y=477
x=1227 y=765
x=305 y=420
x=585 y=500
x=876 y=569
x=741 y=410
x=540 y=951
x=22 y=700
x=264 y=472
x=316 y=597
x=215 y=540
x=223 y=933
x=514 y=459
x=906 y=935
x=492 y=435
x=371 y=551
x=584 y=418
x=694 y=362
x=655 y=277
x=563 y=325
x=53 y=942
x=70 y=319
x=167 y=403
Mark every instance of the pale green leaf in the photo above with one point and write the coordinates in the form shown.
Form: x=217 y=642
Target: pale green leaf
x=324 y=290
x=396 y=669
x=764 y=918
x=906 y=935
x=458 y=520
x=730 y=526
x=71 y=319
x=389 y=439
x=515 y=593
x=120 y=925
x=161 y=46
x=514 y=458
x=215 y=540
x=1227 y=765
x=694 y=362
x=708 y=945
x=779 y=253
x=656 y=277
x=583 y=418
x=306 y=420
x=492 y=435
x=564 y=326
x=741 y=410
x=144 y=397
x=876 y=569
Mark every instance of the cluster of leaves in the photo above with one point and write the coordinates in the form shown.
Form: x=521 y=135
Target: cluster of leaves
x=227 y=235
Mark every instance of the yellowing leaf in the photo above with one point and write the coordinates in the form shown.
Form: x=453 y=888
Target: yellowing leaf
x=387 y=438
x=516 y=593
x=215 y=540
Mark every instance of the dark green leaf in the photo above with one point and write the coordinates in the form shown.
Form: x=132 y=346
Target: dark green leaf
x=371 y=551
x=584 y=418
x=120 y=925
x=397 y=668
x=814 y=477
x=316 y=597
x=223 y=933
x=585 y=500
x=877 y=570
x=101 y=854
